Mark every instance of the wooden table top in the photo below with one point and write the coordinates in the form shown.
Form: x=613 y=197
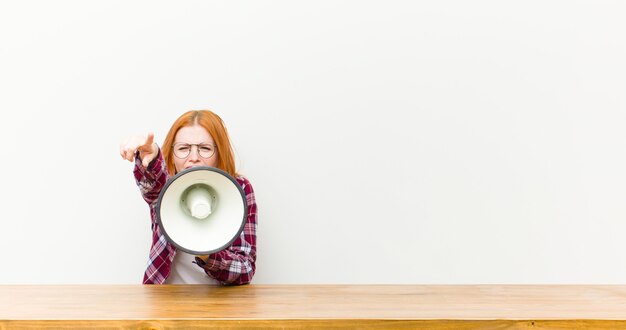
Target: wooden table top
x=340 y=304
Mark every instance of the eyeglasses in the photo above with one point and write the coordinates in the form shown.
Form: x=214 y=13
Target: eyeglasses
x=183 y=150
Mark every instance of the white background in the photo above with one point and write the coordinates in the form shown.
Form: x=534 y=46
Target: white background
x=399 y=142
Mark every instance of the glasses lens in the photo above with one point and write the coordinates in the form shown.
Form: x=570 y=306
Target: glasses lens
x=206 y=150
x=182 y=150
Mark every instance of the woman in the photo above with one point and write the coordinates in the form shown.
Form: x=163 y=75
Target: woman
x=197 y=138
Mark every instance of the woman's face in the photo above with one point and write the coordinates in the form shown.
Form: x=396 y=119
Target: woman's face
x=194 y=146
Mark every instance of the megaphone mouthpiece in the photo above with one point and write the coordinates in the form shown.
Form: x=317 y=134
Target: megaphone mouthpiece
x=199 y=202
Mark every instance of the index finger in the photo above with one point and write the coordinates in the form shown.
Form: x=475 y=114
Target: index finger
x=149 y=140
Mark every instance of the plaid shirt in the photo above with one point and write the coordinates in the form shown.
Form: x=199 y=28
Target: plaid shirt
x=231 y=266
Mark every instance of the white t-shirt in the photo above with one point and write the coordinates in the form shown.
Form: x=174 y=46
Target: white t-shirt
x=185 y=272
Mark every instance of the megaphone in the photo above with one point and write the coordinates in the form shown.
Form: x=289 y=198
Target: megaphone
x=201 y=210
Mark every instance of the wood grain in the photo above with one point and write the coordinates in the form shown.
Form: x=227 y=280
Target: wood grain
x=301 y=306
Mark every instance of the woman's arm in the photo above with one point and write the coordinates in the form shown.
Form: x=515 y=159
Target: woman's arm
x=236 y=264
x=150 y=171
x=152 y=178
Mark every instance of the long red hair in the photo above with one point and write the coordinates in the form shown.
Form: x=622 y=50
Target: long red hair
x=215 y=126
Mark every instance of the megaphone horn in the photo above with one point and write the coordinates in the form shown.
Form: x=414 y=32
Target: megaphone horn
x=201 y=210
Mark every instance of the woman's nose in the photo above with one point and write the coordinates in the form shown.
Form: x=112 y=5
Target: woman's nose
x=194 y=153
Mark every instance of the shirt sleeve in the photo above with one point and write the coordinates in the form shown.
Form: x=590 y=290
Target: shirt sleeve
x=151 y=179
x=236 y=264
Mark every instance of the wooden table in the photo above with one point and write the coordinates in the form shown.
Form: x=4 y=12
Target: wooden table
x=301 y=306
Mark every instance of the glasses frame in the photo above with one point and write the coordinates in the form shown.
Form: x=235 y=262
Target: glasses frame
x=190 y=145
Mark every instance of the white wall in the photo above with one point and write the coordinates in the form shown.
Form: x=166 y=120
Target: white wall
x=387 y=141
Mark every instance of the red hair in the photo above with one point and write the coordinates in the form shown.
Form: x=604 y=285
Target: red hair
x=215 y=126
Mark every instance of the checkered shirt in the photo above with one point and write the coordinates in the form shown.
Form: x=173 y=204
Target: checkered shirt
x=234 y=265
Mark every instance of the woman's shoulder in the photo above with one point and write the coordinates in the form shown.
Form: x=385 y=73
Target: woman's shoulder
x=244 y=183
x=247 y=189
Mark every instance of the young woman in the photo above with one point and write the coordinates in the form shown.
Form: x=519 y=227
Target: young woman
x=197 y=138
